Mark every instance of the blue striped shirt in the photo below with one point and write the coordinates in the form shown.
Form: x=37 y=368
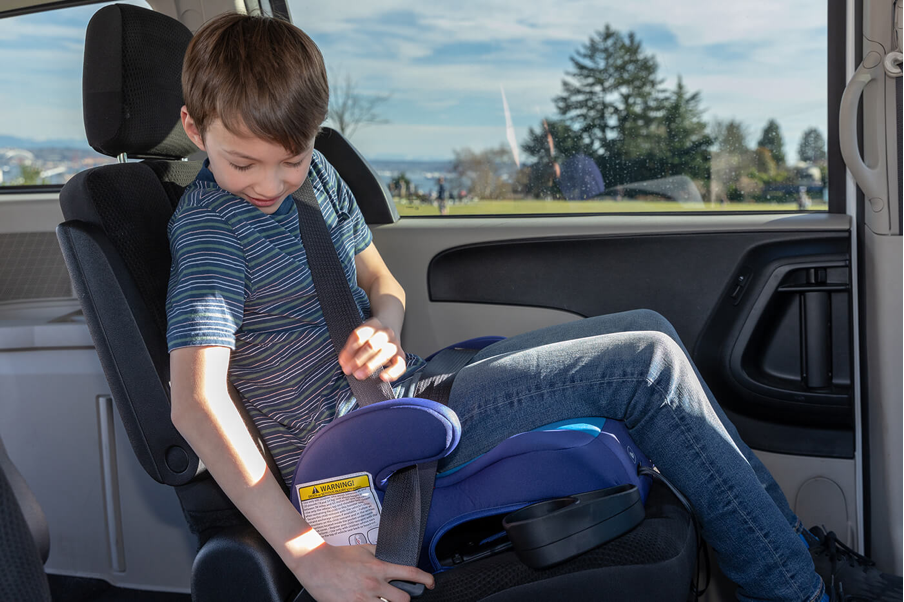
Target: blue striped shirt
x=240 y=279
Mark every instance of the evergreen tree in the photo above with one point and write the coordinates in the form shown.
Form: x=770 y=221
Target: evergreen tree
x=731 y=159
x=685 y=148
x=612 y=97
x=730 y=136
x=812 y=148
x=772 y=141
x=614 y=109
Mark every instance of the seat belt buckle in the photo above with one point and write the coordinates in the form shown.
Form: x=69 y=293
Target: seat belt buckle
x=414 y=590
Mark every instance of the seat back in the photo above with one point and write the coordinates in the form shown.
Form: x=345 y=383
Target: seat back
x=114 y=240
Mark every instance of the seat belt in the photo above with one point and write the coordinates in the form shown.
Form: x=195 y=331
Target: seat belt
x=436 y=378
x=409 y=491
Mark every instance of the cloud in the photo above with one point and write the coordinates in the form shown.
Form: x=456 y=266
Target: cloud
x=428 y=141
x=13 y=30
x=443 y=64
x=736 y=54
x=656 y=36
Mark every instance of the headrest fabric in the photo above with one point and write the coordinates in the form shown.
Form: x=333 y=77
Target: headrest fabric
x=131 y=83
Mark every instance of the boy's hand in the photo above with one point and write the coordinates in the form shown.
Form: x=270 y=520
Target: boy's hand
x=343 y=573
x=371 y=346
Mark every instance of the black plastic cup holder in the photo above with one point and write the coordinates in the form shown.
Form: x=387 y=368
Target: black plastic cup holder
x=540 y=509
x=553 y=531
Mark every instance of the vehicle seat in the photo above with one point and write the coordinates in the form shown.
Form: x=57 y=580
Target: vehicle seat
x=116 y=249
x=25 y=537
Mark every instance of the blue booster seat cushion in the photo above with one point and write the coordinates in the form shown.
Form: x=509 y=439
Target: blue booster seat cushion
x=554 y=461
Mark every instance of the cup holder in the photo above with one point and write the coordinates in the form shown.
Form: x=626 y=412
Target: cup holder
x=553 y=531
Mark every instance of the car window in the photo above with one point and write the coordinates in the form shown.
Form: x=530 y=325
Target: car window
x=42 y=136
x=581 y=106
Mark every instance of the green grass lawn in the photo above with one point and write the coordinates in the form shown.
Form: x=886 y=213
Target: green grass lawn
x=526 y=207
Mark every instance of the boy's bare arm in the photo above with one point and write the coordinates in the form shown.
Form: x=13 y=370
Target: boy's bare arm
x=377 y=342
x=205 y=415
x=386 y=295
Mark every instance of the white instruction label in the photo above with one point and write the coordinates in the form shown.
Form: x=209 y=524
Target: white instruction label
x=345 y=511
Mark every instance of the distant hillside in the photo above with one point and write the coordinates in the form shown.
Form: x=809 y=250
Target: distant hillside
x=27 y=143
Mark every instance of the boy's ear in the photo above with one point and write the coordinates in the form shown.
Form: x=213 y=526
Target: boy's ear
x=191 y=129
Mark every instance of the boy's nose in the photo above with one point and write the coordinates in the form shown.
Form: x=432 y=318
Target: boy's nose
x=270 y=188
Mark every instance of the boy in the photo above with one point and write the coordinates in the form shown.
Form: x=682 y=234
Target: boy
x=241 y=306
x=228 y=235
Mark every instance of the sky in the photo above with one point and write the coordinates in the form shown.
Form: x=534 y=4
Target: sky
x=441 y=66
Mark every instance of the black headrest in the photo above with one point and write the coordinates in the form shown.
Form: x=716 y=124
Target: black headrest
x=131 y=83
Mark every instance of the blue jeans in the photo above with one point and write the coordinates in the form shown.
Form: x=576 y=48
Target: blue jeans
x=633 y=367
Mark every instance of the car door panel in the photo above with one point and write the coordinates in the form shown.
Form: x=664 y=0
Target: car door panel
x=740 y=290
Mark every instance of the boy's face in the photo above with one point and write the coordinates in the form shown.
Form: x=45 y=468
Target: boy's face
x=259 y=171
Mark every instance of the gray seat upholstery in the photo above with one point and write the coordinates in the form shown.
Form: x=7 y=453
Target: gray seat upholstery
x=24 y=536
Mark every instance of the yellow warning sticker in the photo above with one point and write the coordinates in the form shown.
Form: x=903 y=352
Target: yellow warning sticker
x=345 y=510
x=318 y=490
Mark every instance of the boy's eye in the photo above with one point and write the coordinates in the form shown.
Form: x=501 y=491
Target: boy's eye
x=296 y=164
x=241 y=167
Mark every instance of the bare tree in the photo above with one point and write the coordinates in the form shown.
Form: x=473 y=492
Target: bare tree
x=350 y=109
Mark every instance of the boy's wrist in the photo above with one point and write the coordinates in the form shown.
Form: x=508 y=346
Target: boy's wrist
x=302 y=545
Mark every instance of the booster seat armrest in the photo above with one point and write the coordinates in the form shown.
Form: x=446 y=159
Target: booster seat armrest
x=475 y=343
x=237 y=564
x=379 y=439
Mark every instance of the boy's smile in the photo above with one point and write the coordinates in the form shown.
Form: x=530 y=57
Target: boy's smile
x=259 y=171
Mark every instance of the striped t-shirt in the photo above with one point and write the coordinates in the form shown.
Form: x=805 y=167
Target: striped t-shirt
x=240 y=279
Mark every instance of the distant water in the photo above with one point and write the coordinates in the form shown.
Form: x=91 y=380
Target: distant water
x=423 y=174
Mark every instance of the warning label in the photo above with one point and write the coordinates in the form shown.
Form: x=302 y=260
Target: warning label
x=344 y=511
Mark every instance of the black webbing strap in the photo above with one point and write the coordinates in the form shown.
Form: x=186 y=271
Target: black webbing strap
x=410 y=490
x=437 y=376
x=333 y=292
x=413 y=488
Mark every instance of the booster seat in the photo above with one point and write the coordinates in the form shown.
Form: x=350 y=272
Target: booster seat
x=555 y=461
x=115 y=246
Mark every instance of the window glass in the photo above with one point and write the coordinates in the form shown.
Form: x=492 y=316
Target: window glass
x=581 y=106
x=42 y=136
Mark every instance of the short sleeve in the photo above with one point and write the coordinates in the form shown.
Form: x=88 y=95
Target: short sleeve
x=206 y=296
x=361 y=234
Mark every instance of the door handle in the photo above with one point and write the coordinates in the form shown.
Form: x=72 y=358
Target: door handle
x=871 y=179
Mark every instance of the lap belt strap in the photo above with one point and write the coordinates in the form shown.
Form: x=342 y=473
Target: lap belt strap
x=437 y=376
x=410 y=490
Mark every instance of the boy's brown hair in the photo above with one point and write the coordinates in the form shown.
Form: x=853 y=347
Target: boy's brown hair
x=258 y=73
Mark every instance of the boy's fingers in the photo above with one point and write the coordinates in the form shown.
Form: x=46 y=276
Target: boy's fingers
x=392 y=594
x=412 y=574
x=368 y=348
x=395 y=369
x=347 y=354
x=363 y=333
x=377 y=360
x=376 y=342
x=356 y=339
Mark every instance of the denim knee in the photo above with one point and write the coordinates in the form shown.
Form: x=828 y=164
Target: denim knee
x=649 y=319
x=668 y=366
